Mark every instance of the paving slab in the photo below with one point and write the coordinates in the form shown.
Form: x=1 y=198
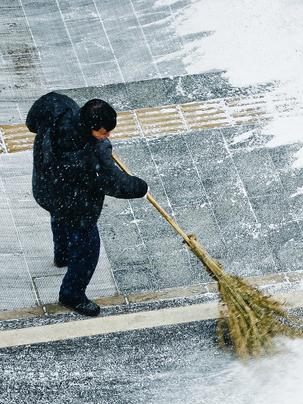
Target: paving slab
x=107 y=43
x=17 y=289
x=26 y=248
x=244 y=215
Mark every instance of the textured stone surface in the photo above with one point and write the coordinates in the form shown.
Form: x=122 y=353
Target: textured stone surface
x=178 y=364
x=105 y=43
x=223 y=185
x=28 y=276
x=136 y=367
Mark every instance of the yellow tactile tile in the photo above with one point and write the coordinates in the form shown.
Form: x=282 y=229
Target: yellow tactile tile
x=158 y=121
x=200 y=115
x=208 y=125
x=237 y=101
x=17 y=138
x=127 y=126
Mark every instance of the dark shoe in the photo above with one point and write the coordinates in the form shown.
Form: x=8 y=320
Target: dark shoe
x=86 y=307
x=60 y=264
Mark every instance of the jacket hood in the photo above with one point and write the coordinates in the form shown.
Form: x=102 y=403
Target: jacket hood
x=70 y=135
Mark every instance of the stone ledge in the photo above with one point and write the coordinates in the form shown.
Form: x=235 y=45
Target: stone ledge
x=118 y=323
x=292 y=279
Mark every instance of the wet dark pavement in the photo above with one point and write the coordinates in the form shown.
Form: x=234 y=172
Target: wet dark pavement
x=134 y=367
x=172 y=364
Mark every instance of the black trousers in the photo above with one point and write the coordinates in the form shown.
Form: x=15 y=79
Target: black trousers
x=79 y=248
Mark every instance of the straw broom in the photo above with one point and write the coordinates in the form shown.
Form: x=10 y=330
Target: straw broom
x=249 y=320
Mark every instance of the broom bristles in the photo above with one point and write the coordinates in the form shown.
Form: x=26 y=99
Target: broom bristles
x=253 y=319
x=249 y=319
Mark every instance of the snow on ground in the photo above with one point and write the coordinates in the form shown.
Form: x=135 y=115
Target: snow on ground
x=275 y=379
x=286 y=131
x=254 y=42
x=271 y=379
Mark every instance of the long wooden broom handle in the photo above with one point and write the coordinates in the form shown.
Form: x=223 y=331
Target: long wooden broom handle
x=159 y=208
x=213 y=267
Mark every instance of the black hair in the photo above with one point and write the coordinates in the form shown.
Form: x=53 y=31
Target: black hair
x=97 y=114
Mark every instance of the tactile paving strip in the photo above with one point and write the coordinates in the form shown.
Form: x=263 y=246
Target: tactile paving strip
x=159 y=121
x=16 y=138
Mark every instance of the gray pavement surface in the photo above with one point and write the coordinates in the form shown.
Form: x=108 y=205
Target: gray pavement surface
x=283 y=288
x=91 y=45
x=134 y=367
x=28 y=276
x=103 y=41
x=239 y=197
x=172 y=364
x=164 y=91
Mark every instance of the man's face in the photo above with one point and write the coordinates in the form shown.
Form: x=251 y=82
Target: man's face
x=101 y=134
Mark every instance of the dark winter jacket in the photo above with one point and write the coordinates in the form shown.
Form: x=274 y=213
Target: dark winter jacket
x=73 y=171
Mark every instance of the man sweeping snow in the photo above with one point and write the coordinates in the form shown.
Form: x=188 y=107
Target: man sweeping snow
x=73 y=170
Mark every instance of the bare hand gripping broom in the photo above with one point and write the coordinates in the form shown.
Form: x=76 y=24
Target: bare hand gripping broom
x=249 y=318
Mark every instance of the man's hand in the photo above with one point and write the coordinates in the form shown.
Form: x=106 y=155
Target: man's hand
x=145 y=196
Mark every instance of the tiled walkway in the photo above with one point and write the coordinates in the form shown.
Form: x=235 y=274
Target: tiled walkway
x=180 y=118
x=207 y=163
x=28 y=277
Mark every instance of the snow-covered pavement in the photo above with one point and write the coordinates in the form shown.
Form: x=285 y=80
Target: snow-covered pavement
x=210 y=95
